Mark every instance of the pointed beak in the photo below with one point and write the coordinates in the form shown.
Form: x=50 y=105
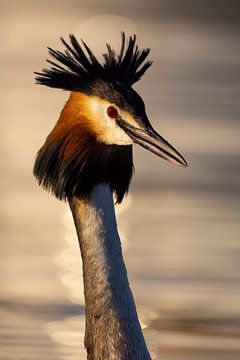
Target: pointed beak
x=148 y=138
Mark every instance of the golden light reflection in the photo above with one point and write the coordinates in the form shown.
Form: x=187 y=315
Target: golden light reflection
x=68 y=335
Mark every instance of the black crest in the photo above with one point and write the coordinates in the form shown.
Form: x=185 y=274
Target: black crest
x=77 y=69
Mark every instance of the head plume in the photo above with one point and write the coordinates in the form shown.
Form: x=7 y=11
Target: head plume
x=77 y=69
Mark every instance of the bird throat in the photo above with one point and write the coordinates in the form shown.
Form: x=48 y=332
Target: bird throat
x=113 y=331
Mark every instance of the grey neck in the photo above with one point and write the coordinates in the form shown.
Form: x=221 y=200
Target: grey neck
x=113 y=331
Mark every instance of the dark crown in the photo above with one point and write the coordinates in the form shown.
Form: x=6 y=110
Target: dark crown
x=81 y=68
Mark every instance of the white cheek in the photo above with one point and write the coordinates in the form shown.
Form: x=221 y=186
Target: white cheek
x=114 y=134
x=110 y=132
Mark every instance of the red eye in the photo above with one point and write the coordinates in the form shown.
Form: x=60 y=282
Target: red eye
x=112 y=112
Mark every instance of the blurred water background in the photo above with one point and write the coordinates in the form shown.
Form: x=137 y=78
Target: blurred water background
x=180 y=227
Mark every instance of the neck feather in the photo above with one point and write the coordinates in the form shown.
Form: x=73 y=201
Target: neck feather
x=112 y=327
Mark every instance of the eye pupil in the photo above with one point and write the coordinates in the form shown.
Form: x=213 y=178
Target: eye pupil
x=112 y=112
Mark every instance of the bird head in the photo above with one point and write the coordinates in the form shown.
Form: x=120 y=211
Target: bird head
x=104 y=116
